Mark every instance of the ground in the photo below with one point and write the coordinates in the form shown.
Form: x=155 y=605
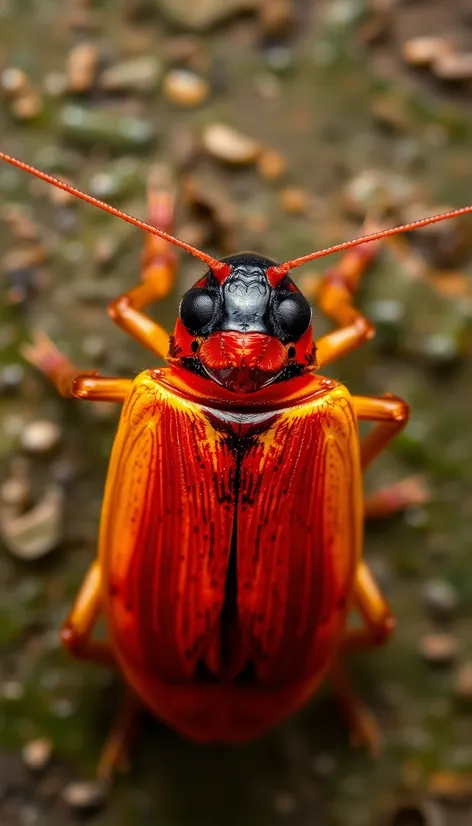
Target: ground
x=358 y=130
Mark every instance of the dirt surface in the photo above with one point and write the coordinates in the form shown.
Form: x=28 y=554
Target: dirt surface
x=360 y=133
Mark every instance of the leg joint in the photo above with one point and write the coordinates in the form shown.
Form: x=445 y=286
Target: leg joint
x=381 y=631
x=117 y=309
x=73 y=640
x=400 y=409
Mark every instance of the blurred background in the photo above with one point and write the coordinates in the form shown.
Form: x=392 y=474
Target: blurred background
x=284 y=123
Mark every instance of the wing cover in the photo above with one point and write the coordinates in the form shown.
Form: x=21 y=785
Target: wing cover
x=166 y=531
x=299 y=534
x=184 y=491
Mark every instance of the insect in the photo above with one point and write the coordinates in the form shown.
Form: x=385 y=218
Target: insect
x=231 y=532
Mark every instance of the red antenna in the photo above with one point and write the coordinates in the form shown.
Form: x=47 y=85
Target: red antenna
x=220 y=269
x=276 y=274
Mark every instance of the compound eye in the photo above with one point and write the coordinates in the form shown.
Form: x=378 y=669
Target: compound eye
x=293 y=315
x=197 y=309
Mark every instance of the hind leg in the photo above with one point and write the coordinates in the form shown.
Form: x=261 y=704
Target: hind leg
x=378 y=623
x=363 y=727
x=76 y=635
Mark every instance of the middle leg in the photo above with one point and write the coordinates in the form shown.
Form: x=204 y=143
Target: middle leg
x=391 y=415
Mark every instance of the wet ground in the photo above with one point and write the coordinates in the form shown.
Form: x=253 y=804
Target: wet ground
x=359 y=131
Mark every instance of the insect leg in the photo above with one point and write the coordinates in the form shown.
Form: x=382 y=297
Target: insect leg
x=70 y=381
x=76 y=636
x=378 y=624
x=335 y=297
x=362 y=724
x=392 y=415
x=158 y=271
x=378 y=620
x=396 y=498
x=115 y=751
x=79 y=625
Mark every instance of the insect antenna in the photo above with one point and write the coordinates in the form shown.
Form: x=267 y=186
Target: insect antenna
x=219 y=269
x=277 y=273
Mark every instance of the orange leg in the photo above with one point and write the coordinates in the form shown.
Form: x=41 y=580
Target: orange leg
x=378 y=624
x=392 y=415
x=335 y=297
x=396 y=498
x=378 y=620
x=157 y=275
x=78 y=628
x=68 y=379
x=115 y=752
x=76 y=635
x=362 y=724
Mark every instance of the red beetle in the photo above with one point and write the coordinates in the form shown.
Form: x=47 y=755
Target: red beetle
x=231 y=530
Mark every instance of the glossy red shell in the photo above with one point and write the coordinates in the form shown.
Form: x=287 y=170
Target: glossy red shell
x=229 y=540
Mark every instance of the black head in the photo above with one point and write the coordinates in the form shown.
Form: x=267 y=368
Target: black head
x=245 y=302
x=241 y=331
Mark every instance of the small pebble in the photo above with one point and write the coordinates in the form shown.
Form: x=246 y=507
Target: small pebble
x=293 y=200
x=27 y=106
x=438 y=649
x=392 y=112
x=14 y=492
x=279 y=59
x=276 y=17
x=185 y=49
x=422 y=51
x=284 y=804
x=451 y=787
x=372 y=188
x=453 y=67
x=440 y=598
x=185 y=88
x=464 y=682
x=14 y=81
x=55 y=84
x=40 y=436
x=267 y=86
x=38 y=531
x=228 y=145
x=271 y=165
x=88 y=127
x=81 y=67
x=138 y=75
x=37 y=754
x=11 y=377
x=205 y=14
x=83 y=796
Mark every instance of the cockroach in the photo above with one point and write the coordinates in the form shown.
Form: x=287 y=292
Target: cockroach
x=230 y=550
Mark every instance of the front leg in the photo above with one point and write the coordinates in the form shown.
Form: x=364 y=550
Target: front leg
x=158 y=271
x=335 y=297
x=69 y=381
